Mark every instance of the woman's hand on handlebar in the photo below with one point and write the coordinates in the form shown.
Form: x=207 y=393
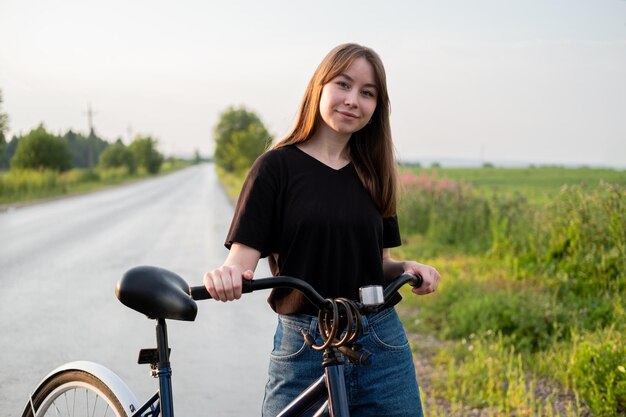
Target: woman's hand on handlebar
x=429 y=274
x=224 y=283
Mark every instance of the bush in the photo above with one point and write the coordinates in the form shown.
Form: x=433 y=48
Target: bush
x=78 y=176
x=240 y=137
x=527 y=319
x=587 y=239
x=484 y=371
x=41 y=150
x=113 y=175
x=29 y=184
x=598 y=372
x=148 y=158
x=447 y=212
x=116 y=156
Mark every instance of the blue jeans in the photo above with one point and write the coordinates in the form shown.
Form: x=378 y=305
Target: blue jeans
x=387 y=387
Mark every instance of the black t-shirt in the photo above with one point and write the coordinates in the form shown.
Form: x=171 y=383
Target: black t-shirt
x=320 y=223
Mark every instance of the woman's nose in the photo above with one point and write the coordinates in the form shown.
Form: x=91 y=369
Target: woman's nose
x=351 y=99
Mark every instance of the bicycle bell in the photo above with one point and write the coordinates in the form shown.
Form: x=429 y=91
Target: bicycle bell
x=371 y=295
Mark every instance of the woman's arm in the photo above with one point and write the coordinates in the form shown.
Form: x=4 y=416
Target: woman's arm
x=393 y=268
x=224 y=283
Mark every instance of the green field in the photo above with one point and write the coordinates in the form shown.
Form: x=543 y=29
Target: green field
x=534 y=182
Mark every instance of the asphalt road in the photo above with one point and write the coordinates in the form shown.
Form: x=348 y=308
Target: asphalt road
x=60 y=260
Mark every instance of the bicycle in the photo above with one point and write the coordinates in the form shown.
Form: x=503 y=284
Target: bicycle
x=88 y=389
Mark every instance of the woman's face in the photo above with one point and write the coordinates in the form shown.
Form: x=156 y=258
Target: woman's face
x=348 y=101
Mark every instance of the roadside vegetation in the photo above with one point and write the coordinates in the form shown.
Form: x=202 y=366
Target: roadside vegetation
x=240 y=137
x=530 y=316
x=41 y=165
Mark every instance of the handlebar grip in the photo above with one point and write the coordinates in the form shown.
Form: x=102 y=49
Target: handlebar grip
x=200 y=292
x=413 y=280
x=417 y=281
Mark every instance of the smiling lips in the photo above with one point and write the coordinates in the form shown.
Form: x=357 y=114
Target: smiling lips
x=347 y=114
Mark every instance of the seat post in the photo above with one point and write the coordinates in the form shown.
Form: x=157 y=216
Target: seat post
x=164 y=371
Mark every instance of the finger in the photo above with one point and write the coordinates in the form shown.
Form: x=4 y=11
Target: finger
x=209 y=283
x=424 y=290
x=236 y=284
x=227 y=285
x=219 y=287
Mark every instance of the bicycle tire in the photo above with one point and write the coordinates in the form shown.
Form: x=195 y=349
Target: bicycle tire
x=74 y=393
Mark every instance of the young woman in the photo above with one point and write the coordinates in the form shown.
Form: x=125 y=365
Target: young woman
x=321 y=205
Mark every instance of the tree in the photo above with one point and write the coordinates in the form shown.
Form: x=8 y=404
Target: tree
x=10 y=149
x=85 y=151
x=146 y=154
x=4 y=127
x=40 y=150
x=197 y=158
x=118 y=155
x=240 y=137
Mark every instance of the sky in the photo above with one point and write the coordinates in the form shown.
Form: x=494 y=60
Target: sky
x=500 y=81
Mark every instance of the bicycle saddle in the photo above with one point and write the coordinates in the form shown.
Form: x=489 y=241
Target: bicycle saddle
x=157 y=293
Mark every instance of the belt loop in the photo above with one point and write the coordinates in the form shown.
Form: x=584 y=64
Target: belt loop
x=365 y=324
x=313 y=327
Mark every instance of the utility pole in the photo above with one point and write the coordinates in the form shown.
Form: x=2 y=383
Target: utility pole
x=91 y=137
x=90 y=114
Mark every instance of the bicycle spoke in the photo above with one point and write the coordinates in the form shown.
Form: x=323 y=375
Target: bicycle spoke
x=67 y=404
x=95 y=403
x=73 y=402
x=56 y=410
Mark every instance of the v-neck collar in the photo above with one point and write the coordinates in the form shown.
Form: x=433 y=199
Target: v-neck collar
x=322 y=163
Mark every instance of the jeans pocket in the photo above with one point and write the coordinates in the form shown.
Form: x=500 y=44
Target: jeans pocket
x=288 y=341
x=388 y=332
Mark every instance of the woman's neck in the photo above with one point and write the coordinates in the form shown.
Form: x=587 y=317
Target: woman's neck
x=332 y=150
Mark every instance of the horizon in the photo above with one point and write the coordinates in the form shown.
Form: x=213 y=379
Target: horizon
x=425 y=161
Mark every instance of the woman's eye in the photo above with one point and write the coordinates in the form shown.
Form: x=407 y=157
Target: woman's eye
x=368 y=93
x=343 y=84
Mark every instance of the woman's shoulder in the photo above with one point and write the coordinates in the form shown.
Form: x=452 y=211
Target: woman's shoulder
x=273 y=163
x=276 y=156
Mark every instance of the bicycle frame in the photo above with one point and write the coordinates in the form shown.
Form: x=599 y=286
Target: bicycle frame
x=331 y=385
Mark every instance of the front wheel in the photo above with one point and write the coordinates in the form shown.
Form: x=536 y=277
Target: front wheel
x=74 y=393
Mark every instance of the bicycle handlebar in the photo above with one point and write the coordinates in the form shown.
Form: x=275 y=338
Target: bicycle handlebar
x=281 y=281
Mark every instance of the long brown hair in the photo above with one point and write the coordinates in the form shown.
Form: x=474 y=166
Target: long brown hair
x=371 y=148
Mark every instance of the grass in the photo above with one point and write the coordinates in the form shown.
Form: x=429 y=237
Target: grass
x=536 y=183
x=19 y=186
x=231 y=183
x=533 y=291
